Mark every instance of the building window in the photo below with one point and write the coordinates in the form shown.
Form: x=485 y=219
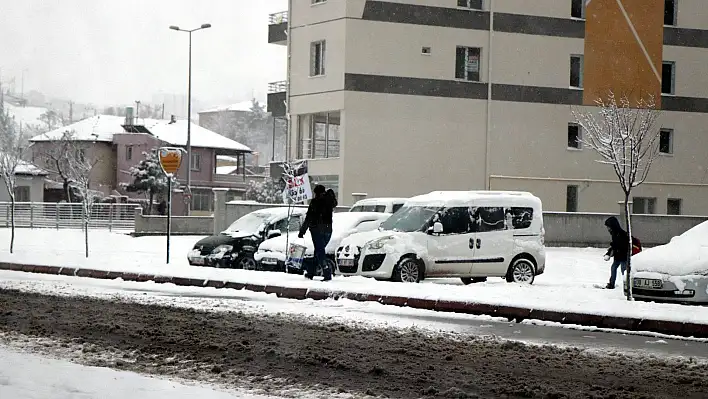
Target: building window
x=22 y=194
x=571 y=199
x=196 y=162
x=670 y=12
x=574 y=136
x=643 y=206
x=472 y=4
x=129 y=153
x=319 y=135
x=318 y=1
x=329 y=181
x=577 y=9
x=425 y=50
x=673 y=206
x=666 y=141
x=576 y=71
x=668 y=75
x=317 y=58
x=202 y=200
x=467 y=63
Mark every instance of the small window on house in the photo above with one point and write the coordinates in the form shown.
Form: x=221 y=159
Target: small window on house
x=196 y=162
x=668 y=75
x=317 y=58
x=670 y=12
x=202 y=200
x=22 y=194
x=425 y=50
x=129 y=153
x=318 y=1
x=574 y=136
x=472 y=4
x=576 y=71
x=467 y=63
x=643 y=206
x=577 y=8
x=673 y=206
x=571 y=198
x=666 y=141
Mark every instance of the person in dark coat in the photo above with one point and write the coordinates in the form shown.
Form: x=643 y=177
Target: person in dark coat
x=319 y=221
x=618 y=249
x=162 y=208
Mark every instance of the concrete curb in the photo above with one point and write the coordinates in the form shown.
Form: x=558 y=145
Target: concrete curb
x=509 y=312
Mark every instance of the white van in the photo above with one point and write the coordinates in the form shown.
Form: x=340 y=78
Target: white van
x=381 y=205
x=467 y=234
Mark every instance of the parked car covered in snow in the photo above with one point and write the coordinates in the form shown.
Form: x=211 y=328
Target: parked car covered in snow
x=271 y=253
x=384 y=205
x=467 y=234
x=235 y=246
x=674 y=272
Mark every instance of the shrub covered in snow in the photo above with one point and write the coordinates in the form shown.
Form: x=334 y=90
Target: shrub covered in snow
x=267 y=192
x=148 y=178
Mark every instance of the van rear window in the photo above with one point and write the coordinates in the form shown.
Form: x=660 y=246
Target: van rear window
x=521 y=217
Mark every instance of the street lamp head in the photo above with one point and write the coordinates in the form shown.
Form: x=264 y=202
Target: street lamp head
x=204 y=26
x=173 y=27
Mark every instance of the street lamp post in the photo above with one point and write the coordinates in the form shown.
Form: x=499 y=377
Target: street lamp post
x=189 y=111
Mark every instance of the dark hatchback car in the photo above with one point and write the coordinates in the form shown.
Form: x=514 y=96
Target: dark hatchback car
x=235 y=246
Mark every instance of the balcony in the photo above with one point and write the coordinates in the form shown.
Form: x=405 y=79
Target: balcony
x=278 y=28
x=276 y=98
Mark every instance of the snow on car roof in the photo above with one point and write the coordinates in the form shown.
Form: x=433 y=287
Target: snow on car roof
x=281 y=211
x=351 y=218
x=382 y=200
x=685 y=255
x=463 y=198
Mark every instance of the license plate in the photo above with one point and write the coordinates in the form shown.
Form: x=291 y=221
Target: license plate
x=269 y=261
x=648 y=283
x=346 y=262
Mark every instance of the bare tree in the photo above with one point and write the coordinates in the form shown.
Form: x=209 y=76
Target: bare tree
x=625 y=137
x=79 y=169
x=57 y=156
x=12 y=149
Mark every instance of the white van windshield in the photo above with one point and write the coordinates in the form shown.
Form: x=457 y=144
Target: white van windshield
x=410 y=218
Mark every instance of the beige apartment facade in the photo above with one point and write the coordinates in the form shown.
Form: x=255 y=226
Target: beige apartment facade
x=393 y=98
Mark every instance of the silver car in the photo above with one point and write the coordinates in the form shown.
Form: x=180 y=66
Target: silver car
x=674 y=272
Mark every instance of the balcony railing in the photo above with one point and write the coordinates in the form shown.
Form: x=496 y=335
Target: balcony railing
x=277 y=87
x=278 y=18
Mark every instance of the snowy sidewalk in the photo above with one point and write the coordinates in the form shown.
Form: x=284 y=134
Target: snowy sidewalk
x=565 y=293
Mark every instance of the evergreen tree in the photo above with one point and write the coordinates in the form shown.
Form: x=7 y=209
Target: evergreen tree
x=148 y=178
x=265 y=192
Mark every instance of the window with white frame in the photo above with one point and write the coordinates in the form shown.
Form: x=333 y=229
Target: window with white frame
x=670 y=12
x=196 y=162
x=467 y=63
x=577 y=8
x=666 y=141
x=319 y=135
x=643 y=206
x=202 y=200
x=574 y=136
x=22 y=194
x=668 y=77
x=576 y=71
x=472 y=4
x=317 y=58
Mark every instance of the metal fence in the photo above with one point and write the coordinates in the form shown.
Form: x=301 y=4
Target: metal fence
x=68 y=216
x=277 y=18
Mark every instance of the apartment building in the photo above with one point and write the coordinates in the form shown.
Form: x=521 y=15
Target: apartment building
x=397 y=98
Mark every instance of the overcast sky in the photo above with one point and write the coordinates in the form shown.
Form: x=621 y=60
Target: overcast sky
x=118 y=51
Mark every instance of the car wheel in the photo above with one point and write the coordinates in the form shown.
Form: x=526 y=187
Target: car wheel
x=521 y=271
x=472 y=280
x=408 y=270
x=246 y=263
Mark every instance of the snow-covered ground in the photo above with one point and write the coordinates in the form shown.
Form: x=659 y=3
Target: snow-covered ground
x=566 y=286
x=30 y=376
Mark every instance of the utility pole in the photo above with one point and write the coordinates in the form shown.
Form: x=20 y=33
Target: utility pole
x=163 y=111
x=137 y=110
x=71 y=112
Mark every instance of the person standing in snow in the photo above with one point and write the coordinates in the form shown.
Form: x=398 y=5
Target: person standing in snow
x=618 y=249
x=319 y=221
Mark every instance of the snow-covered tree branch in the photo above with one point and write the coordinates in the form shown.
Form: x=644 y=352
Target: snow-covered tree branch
x=149 y=178
x=12 y=149
x=625 y=137
x=57 y=156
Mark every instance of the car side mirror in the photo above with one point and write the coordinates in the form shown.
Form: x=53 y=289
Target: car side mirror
x=274 y=233
x=436 y=229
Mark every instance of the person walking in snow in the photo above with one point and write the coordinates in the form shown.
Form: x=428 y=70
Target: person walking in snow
x=618 y=249
x=319 y=221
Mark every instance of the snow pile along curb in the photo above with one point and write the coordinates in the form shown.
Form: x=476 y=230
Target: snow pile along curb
x=510 y=312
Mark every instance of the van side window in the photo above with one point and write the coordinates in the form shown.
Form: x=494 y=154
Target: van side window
x=295 y=223
x=380 y=208
x=455 y=220
x=488 y=219
x=396 y=207
x=521 y=217
x=281 y=225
